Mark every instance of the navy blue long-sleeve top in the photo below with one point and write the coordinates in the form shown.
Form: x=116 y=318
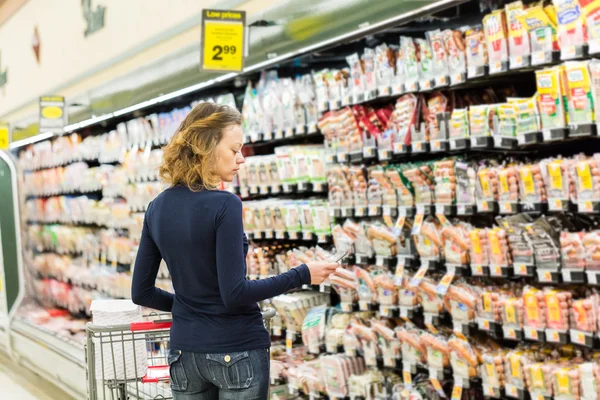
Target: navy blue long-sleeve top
x=201 y=238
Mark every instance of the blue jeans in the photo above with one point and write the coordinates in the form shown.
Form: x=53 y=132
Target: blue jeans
x=228 y=376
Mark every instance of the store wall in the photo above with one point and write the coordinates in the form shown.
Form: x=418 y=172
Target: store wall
x=67 y=55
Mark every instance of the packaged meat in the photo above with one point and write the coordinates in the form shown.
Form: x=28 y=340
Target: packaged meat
x=476 y=50
x=461 y=301
x=500 y=254
x=557 y=181
x=542 y=32
x=508 y=190
x=587 y=179
x=445 y=181
x=531 y=184
x=527 y=115
x=455 y=47
x=571 y=28
x=428 y=297
x=539 y=378
x=518 y=37
x=440 y=57
x=479 y=121
x=496 y=33
x=459 y=124
x=583 y=314
x=550 y=98
x=429 y=241
x=591 y=243
x=422 y=180
x=411 y=64
x=572 y=250
x=413 y=351
x=557 y=305
x=512 y=313
x=426 y=63
x=438 y=352
x=579 y=93
x=456 y=243
x=479 y=248
x=535 y=314
x=487 y=184
x=492 y=371
x=464 y=358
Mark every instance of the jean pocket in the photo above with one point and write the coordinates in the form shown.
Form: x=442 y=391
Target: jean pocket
x=179 y=381
x=233 y=371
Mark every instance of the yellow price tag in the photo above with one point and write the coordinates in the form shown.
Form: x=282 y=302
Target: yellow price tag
x=4 y=136
x=223 y=40
x=457 y=392
x=407 y=377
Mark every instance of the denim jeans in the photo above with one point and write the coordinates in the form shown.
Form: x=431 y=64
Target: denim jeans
x=227 y=376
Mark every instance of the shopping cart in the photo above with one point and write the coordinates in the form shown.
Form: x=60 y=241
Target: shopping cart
x=130 y=361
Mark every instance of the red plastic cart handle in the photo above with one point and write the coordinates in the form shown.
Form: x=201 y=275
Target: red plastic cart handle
x=149 y=326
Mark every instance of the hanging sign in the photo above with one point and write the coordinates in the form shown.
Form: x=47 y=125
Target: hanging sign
x=52 y=114
x=4 y=136
x=223 y=40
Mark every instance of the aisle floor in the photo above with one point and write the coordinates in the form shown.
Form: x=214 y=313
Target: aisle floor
x=19 y=383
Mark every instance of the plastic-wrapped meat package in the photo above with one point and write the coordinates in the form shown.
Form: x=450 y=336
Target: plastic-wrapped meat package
x=465 y=183
x=583 y=314
x=362 y=244
x=337 y=371
x=359 y=186
x=572 y=250
x=438 y=352
x=591 y=243
x=456 y=243
x=445 y=181
x=342 y=239
x=500 y=252
x=587 y=178
x=313 y=329
x=476 y=49
x=479 y=248
x=437 y=104
x=580 y=105
x=508 y=189
x=492 y=368
x=512 y=312
x=405 y=117
x=531 y=184
x=426 y=71
x=339 y=189
x=521 y=250
x=336 y=327
x=534 y=303
x=558 y=303
x=545 y=242
x=539 y=378
x=487 y=184
x=518 y=37
x=496 y=33
x=428 y=297
x=413 y=350
x=402 y=186
x=366 y=289
x=386 y=187
x=428 y=241
x=557 y=179
x=407 y=295
x=440 y=57
x=589 y=372
x=404 y=241
x=459 y=124
x=567 y=381
x=383 y=240
x=541 y=28
x=410 y=58
x=455 y=47
x=461 y=301
x=422 y=180
x=490 y=304
x=571 y=26
x=464 y=358
x=387 y=294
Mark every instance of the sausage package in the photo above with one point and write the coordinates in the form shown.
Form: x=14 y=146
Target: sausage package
x=464 y=358
x=429 y=241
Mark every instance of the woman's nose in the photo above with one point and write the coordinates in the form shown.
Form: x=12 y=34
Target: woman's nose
x=240 y=159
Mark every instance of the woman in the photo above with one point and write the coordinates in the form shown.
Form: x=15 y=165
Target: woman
x=219 y=346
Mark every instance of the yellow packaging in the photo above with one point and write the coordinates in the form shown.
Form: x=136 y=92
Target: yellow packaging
x=485 y=185
x=535 y=20
x=537 y=377
x=532 y=310
x=571 y=27
x=563 y=381
x=510 y=311
x=487 y=302
x=579 y=93
x=555 y=172
x=591 y=13
x=503 y=177
x=475 y=242
x=553 y=307
x=550 y=98
x=515 y=365
x=527 y=181
x=526 y=114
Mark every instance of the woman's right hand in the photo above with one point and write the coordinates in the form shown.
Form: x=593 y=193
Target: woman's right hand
x=319 y=271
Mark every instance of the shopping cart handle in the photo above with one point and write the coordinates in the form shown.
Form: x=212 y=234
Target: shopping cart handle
x=151 y=325
x=268 y=313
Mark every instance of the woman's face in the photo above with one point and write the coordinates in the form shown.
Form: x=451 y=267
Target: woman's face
x=229 y=153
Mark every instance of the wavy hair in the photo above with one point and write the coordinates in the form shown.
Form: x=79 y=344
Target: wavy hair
x=189 y=158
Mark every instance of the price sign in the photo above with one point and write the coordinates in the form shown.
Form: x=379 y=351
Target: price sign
x=52 y=113
x=223 y=39
x=4 y=136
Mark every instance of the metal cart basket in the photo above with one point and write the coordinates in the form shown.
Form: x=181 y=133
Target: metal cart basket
x=130 y=361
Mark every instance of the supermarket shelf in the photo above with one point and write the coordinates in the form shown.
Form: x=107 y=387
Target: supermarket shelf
x=72 y=223
x=95 y=192
x=59 y=360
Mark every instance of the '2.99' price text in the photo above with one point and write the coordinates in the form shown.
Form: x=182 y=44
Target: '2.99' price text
x=219 y=50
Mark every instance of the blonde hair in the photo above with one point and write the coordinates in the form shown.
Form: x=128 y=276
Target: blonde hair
x=189 y=158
